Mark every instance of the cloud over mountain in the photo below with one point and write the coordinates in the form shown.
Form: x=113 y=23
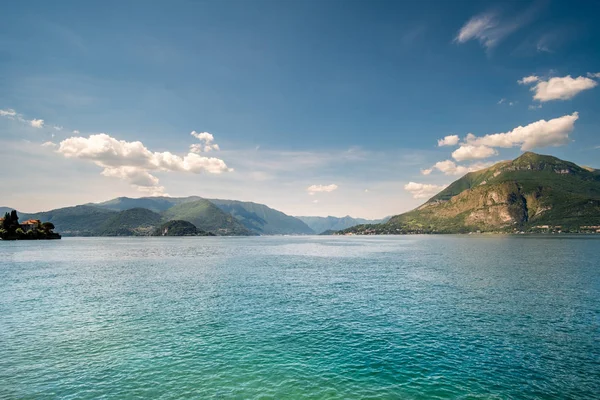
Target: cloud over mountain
x=312 y=189
x=542 y=133
x=132 y=161
x=423 y=190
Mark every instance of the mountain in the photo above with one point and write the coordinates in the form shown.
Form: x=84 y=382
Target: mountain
x=132 y=222
x=262 y=219
x=4 y=210
x=257 y=218
x=207 y=217
x=531 y=193
x=156 y=204
x=323 y=224
x=74 y=221
x=141 y=216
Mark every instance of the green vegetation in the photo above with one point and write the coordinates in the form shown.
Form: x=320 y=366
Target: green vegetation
x=75 y=221
x=133 y=222
x=207 y=217
x=11 y=229
x=179 y=228
x=532 y=193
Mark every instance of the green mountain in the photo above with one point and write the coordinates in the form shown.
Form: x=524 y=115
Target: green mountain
x=156 y=204
x=531 y=193
x=207 y=217
x=132 y=222
x=324 y=224
x=262 y=219
x=74 y=221
x=179 y=228
x=144 y=215
x=257 y=218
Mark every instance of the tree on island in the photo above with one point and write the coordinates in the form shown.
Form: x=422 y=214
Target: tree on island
x=10 y=229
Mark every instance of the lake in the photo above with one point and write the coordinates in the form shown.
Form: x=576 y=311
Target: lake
x=407 y=317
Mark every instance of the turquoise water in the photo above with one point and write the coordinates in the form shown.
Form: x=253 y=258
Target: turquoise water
x=410 y=317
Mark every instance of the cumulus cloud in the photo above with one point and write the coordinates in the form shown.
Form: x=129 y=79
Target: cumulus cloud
x=593 y=75
x=423 y=190
x=37 y=123
x=57 y=128
x=132 y=161
x=449 y=167
x=528 y=79
x=471 y=152
x=542 y=133
x=49 y=144
x=206 y=144
x=558 y=88
x=312 y=189
x=450 y=140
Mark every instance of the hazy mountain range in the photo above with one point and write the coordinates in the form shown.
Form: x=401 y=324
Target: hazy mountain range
x=324 y=224
x=126 y=216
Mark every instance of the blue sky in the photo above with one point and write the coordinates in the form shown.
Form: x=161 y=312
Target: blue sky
x=315 y=107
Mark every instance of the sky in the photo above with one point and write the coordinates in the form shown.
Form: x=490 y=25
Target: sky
x=361 y=108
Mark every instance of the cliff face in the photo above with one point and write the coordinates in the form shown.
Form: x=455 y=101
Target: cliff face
x=532 y=190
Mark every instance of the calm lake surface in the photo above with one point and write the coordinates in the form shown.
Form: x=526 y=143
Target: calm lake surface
x=409 y=317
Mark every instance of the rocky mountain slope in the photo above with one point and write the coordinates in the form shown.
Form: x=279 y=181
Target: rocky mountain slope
x=532 y=192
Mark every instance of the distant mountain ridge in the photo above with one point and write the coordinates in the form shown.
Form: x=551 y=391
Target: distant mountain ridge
x=531 y=193
x=323 y=224
x=124 y=216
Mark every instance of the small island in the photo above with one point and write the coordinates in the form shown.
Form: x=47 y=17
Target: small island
x=33 y=229
x=180 y=228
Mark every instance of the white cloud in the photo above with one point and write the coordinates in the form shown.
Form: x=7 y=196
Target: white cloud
x=312 y=189
x=534 y=106
x=131 y=161
x=10 y=113
x=206 y=144
x=479 y=27
x=423 y=190
x=37 y=123
x=528 y=79
x=449 y=167
x=558 y=88
x=450 y=140
x=315 y=201
x=76 y=132
x=57 y=128
x=593 y=75
x=49 y=144
x=489 y=30
x=542 y=133
x=501 y=101
x=470 y=152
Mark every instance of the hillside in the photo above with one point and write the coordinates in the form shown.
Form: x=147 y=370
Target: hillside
x=262 y=219
x=255 y=217
x=132 y=222
x=531 y=193
x=323 y=224
x=156 y=204
x=207 y=217
x=74 y=221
